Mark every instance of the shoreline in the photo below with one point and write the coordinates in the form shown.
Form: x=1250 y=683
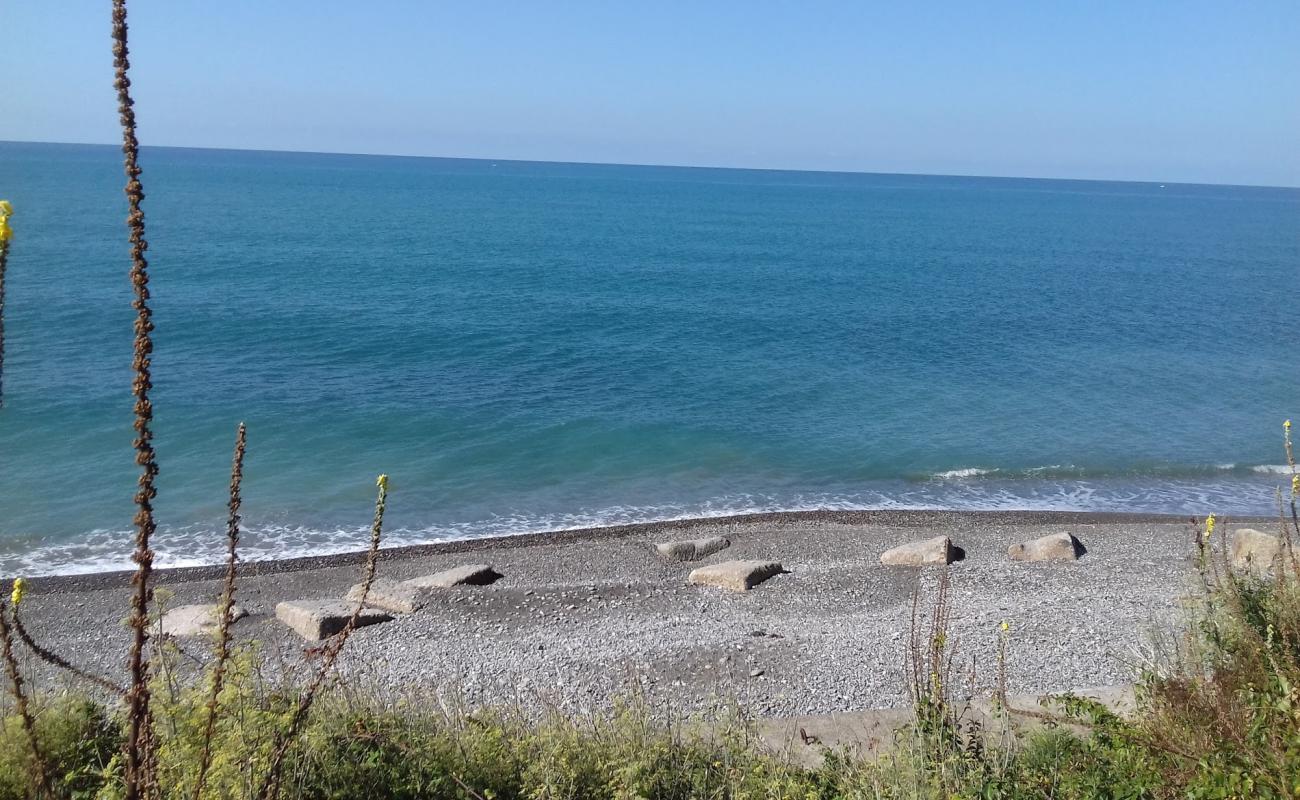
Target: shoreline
x=903 y=518
x=581 y=618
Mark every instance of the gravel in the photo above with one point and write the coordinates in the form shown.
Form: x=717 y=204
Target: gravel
x=581 y=619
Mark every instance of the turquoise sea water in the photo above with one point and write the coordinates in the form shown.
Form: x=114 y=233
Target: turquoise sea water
x=528 y=346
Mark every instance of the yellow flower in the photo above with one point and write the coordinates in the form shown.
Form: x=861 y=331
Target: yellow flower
x=382 y=482
x=1287 y=425
x=6 y=232
x=1209 y=526
x=1005 y=626
x=6 y=208
x=16 y=596
x=1295 y=485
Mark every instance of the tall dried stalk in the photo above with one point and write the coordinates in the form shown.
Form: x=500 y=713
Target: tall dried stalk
x=271 y=782
x=930 y=659
x=4 y=258
x=138 y=694
x=39 y=768
x=226 y=611
x=1295 y=476
x=55 y=660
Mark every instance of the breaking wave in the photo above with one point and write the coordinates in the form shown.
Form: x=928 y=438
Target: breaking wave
x=1234 y=492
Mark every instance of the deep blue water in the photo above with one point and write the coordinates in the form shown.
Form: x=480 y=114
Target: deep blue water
x=525 y=346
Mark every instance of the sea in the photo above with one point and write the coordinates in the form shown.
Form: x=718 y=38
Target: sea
x=528 y=346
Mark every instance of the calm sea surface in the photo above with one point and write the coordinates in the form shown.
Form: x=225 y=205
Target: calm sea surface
x=528 y=346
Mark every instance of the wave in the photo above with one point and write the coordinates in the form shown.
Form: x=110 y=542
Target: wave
x=1072 y=471
x=1235 y=492
x=967 y=472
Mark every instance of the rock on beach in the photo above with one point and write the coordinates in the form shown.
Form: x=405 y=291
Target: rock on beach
x=321 y=619
x=1055 y=547
x=465 y=575
x=196 y=619
x=927 y=552
x=1255 y=551
x=738 y=576
x=692 y=549
x=398 y=597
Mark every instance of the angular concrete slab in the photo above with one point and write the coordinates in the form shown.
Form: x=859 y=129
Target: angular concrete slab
x=1056 y=547
x=391 y=595
x=465 y=575
x=1255 y=551
x=692 y=549
x=738 y=576
x=927 y=552
x=321 y=619
x=869 y=735
x=196 y=620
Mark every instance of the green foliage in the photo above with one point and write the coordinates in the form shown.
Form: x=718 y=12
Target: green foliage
x=79 y=739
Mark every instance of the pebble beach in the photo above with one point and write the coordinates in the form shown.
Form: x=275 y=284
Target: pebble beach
x=580 y=619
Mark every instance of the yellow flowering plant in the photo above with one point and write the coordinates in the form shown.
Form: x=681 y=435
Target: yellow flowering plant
x=20 y=585
x=6 y=232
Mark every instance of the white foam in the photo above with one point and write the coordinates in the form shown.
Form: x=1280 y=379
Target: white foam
x=203 y=544
x=968 y=472
x=1272 y=469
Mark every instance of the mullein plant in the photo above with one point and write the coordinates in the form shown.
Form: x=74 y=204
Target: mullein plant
x=40 y=771
x=270 y=787
x=140 y=768
x=137 y=740
x=6 y=233
x=1295 y=478
x=54 y=659
x=930 y=656
x=225 y=613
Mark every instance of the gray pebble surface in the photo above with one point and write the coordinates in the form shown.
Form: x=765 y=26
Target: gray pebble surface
x=579 y=621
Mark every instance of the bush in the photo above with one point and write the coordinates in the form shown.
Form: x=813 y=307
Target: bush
x=79 y=739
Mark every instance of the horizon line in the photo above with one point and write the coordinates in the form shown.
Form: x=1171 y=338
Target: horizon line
x=668 y=166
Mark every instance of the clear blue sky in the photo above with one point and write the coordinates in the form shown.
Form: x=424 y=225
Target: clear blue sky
x=1155 y=90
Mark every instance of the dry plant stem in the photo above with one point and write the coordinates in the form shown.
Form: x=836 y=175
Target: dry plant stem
x=330 y=653
x=54 y=659
x=41 y=773
x=4 y=257
x=226 y=612
x=930 y=662
x=138 y=695
x=913 y=655
x=466 y=788
x=1290 y=460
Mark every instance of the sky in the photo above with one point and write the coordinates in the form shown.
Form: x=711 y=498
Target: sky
x=1161 y=90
